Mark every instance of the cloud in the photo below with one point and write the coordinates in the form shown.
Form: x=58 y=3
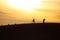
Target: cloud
x=2 y=12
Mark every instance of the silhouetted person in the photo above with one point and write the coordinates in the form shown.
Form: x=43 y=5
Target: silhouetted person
x=44 y=20
x=8 y=24
x=34 y=20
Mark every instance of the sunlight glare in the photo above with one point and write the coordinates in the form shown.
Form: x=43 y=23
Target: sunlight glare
x=24 y=4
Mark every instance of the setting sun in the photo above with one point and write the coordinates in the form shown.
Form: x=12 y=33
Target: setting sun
x=23 y=11
x=23 y=4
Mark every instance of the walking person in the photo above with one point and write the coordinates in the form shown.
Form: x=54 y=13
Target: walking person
x=33 y=20
x=44 y=20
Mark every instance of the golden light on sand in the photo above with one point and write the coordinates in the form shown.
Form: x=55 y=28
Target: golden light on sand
x=24 y=4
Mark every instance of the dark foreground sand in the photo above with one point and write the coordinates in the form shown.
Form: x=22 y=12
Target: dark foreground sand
x=34 y=31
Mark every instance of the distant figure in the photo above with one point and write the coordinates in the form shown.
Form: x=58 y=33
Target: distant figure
x=33 y=20
x=44 y=20
x=8 y=24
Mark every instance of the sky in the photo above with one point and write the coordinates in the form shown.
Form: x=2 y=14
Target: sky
x=23 y=11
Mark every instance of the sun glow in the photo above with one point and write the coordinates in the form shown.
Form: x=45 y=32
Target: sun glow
x=24 y=4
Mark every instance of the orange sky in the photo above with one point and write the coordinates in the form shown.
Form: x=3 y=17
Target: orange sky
x=49 y=9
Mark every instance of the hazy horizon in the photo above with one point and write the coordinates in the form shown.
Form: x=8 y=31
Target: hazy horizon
x=23 y=11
